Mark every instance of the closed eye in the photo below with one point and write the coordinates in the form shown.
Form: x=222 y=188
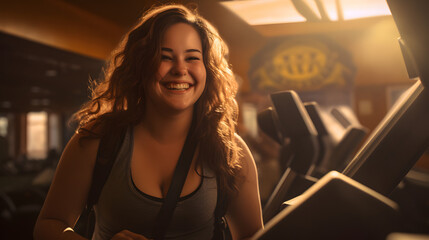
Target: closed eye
x=192 y=58
x=165 y=57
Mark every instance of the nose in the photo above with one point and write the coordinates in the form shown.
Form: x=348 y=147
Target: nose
x=179 y=68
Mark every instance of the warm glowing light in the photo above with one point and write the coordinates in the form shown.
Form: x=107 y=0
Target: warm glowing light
x=37 y=135
x=258 y=12
x=364 y=8
x=261 y=12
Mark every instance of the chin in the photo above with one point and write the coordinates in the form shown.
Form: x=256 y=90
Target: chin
x=181 y=108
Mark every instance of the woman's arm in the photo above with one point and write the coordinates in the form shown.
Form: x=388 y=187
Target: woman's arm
x=244 y=214
x=68 y=192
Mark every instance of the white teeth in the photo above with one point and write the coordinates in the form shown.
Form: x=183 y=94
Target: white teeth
x=177 y=86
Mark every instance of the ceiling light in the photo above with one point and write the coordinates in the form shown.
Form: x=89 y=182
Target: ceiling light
x=262 y=12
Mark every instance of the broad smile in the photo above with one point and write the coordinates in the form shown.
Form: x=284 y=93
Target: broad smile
x=175 y=86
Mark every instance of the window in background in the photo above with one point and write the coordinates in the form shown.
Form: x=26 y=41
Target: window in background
x=3 y=126
x=250 y=115
x=37 y=135
x=4 y=151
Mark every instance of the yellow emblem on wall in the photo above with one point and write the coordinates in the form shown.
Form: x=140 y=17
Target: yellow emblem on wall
x=303 y=64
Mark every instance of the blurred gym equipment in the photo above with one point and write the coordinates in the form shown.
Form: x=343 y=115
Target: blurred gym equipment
x=298 y=154
x=336 y=207
x=309 y=149
x=353 y=205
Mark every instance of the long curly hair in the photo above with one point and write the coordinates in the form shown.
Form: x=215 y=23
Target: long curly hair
x=118 y=97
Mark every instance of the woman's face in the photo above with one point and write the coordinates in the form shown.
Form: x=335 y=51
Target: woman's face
x=181 y=76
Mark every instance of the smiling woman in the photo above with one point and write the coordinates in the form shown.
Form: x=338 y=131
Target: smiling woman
x=181 y=76
x=167 y=82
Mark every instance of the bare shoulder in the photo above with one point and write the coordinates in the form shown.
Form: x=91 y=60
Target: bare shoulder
x=78 y=159
x=81 y=147
x=244 y=149
x=244 y=214
x=84 y=144
x=70 y=186
x=246 y=158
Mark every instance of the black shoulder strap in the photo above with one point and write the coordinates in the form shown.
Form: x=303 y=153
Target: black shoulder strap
x=221 y=229
x=179 y=177
x=108 y=149
x=107 y=152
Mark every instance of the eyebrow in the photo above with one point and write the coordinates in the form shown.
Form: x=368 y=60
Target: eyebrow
x=187 y=50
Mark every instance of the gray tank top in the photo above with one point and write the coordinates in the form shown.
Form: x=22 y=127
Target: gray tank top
x=123 y=206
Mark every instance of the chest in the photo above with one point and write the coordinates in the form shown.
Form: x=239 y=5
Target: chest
x=153 y=164
x=122 y=206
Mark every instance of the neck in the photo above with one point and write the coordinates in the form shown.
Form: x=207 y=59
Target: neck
x=167 y=127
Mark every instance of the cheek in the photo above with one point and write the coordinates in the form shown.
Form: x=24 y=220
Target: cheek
x=201 y=74
x=162 y=70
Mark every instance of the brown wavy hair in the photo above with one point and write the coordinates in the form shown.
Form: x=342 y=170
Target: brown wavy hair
x=118 y=97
